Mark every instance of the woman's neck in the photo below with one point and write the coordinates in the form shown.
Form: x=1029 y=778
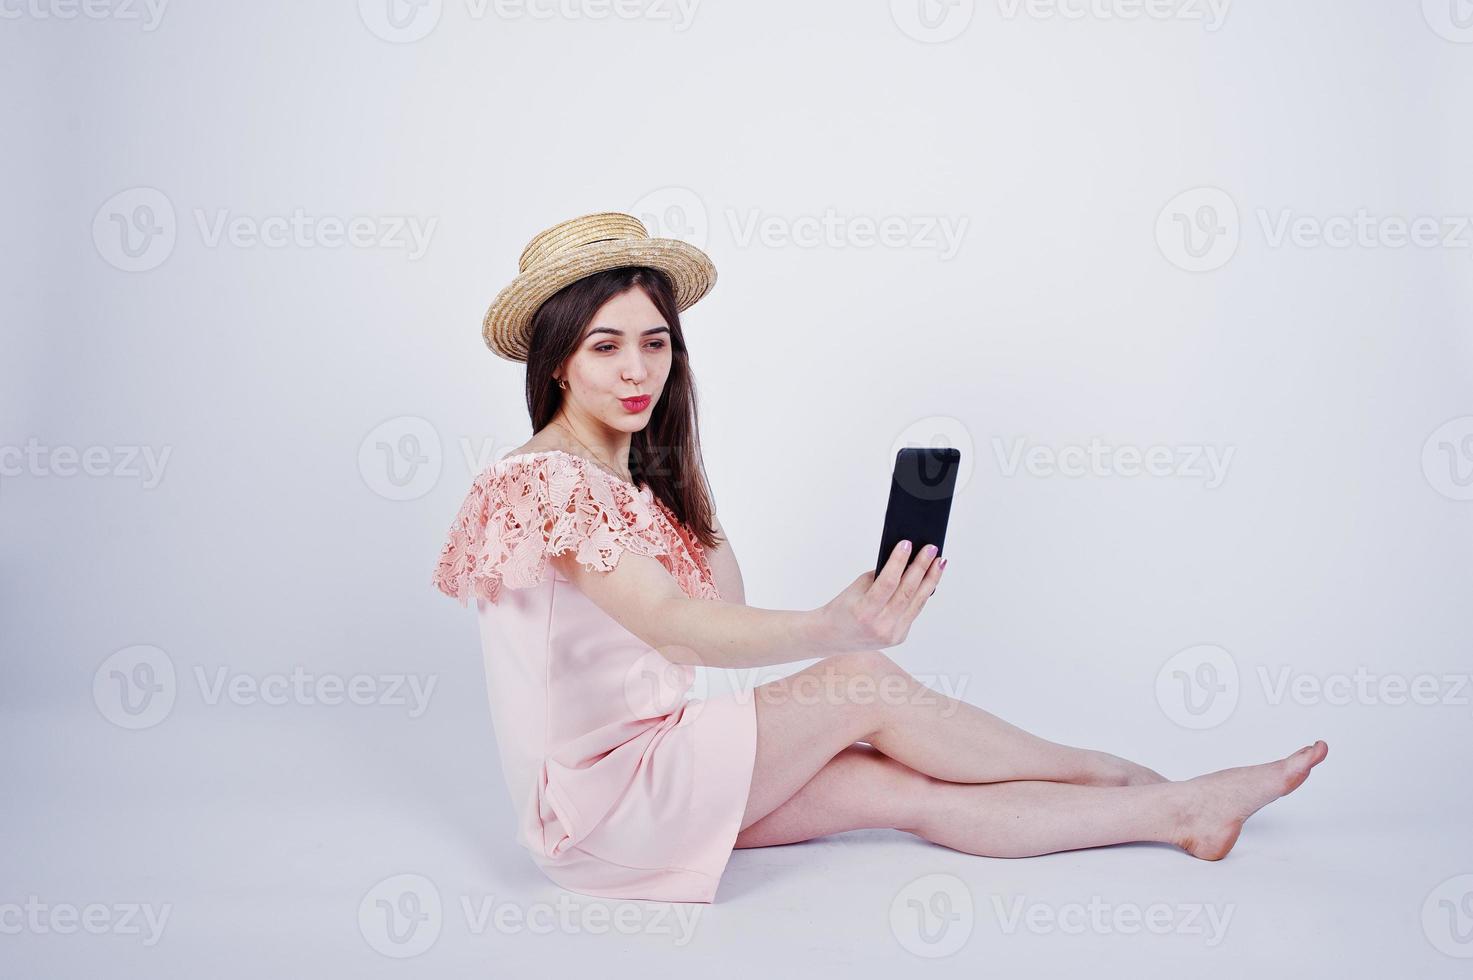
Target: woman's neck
x=609 y=447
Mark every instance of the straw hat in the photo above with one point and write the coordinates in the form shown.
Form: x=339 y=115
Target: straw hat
x=579 y=247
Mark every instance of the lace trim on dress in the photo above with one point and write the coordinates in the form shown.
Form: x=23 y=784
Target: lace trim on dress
x=526 y=508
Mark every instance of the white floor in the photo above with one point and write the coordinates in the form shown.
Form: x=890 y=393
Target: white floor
x=269 y=836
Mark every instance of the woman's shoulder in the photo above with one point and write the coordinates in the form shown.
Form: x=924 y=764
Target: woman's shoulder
x=535 y=446
x=551 y=475
x=531 y=505
x=547 y=441
x=548 y=438
x=547 y=450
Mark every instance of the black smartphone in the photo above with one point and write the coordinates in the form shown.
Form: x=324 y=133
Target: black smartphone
x=920 y=500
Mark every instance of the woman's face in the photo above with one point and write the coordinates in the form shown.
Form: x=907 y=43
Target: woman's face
x=625 y=351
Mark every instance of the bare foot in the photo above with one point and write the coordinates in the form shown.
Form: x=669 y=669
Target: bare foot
x=1217 y=804
x=1112 y=770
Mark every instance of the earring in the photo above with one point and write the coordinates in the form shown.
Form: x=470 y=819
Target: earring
x=562 y=384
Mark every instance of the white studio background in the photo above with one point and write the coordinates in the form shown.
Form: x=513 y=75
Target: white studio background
x=1187 y=282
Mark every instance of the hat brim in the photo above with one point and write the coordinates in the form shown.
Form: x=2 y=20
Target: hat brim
x=506 y=327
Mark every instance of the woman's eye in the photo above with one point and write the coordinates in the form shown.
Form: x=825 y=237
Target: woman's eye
x=658 y=344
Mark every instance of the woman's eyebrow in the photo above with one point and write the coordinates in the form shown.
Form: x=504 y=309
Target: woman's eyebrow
x=620 y=333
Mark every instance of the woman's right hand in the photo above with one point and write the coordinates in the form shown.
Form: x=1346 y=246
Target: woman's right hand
x=876 y=611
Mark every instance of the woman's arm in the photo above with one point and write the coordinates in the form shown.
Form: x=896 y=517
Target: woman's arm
x=640 y=594
x=724 y=568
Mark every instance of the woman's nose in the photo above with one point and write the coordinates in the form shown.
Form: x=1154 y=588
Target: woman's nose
x=636 y=370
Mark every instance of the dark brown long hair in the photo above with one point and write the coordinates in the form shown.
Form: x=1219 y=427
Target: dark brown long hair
x=666 y=454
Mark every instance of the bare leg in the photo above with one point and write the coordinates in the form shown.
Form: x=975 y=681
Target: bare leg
x=862 y=788
x=1027 y=817
x=960 y=742
x=858 y=788
x=806 y=718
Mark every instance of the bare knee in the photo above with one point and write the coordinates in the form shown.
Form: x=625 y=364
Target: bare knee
x=872 y=663
x=891 y=792
x=873 y=683
x=896 y=790
x=860 y=787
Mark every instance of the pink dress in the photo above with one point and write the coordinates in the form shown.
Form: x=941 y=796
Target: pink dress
x=624 y=788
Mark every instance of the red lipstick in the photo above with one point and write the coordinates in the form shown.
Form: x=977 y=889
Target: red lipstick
x=638 y=404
